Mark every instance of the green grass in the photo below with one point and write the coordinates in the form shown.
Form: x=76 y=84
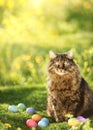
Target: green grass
x=35 y=96
x=32 y=96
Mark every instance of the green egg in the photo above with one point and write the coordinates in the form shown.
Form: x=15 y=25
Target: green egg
x=21 y=106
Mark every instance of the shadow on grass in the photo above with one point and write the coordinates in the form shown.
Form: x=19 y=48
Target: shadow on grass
x=31 y=96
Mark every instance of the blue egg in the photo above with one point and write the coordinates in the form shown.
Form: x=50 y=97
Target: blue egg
x=30 y=110
x=45 y=119
x=12 y=108
x=42 y=123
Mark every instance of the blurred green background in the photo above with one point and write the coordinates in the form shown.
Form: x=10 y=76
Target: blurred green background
x=30 y=28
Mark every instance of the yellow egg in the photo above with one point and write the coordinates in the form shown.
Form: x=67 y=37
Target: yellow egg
x=36 y=117
x=73 y=122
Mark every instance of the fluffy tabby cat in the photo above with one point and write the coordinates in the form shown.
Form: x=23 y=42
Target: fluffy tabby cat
x=68 y=92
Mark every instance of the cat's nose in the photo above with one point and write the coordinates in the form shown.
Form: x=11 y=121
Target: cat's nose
x=62 y=66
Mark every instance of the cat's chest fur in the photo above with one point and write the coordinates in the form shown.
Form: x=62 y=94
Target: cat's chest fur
x=64 y=89
x=61 y=84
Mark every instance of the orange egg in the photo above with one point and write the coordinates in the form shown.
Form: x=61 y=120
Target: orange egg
x=73 y=122
x=36 y=117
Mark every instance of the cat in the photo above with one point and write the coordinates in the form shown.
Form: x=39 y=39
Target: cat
x=68 y=92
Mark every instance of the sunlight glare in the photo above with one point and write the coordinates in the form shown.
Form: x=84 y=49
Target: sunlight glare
x=37 y=3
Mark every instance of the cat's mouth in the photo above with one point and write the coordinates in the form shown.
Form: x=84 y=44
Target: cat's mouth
x=60 y=72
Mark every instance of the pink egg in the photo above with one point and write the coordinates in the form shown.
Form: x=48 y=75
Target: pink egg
x=31 y=123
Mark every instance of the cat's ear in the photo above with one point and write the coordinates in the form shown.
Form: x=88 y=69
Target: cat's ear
x=52 y=54
x=70 y=54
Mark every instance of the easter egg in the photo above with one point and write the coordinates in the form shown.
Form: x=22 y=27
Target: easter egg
x=21 y=106
x=45 y=119
x=81 y=119
x=36 y=117
x=73 y=122
x=30 y=110
x=42 y=123
x=31 y=123
x=12 y=108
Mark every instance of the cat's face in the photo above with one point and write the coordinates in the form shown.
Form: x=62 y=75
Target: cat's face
x=61 y=64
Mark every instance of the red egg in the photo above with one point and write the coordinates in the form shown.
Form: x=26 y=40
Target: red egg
x=31 y=123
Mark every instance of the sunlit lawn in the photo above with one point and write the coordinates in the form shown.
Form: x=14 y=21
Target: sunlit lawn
x=28 y=30
x=25 y=65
